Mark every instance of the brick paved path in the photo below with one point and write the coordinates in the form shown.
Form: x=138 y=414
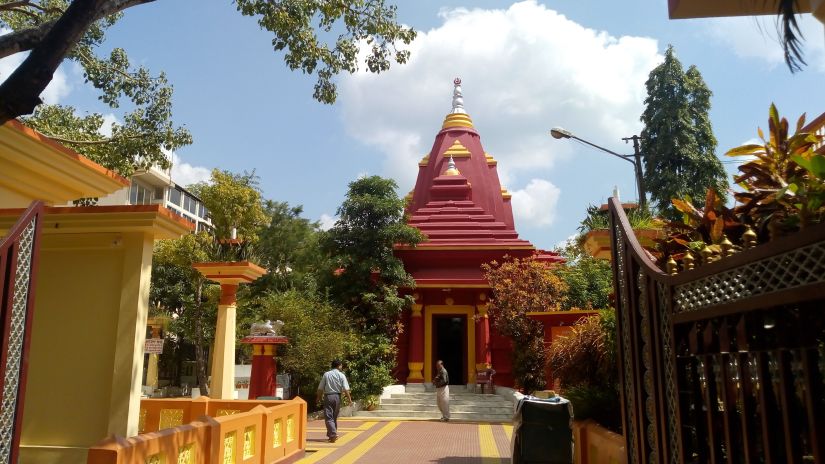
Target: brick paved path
x=386 y=442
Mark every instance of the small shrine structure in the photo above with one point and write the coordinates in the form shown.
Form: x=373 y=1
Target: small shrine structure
x=458 y=202
x=264 y=339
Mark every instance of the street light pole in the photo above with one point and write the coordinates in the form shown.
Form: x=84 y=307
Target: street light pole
x=635 y=159
x=637 y=155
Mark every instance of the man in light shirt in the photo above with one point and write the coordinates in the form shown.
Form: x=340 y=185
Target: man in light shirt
x=442 y=389
x=333 y=384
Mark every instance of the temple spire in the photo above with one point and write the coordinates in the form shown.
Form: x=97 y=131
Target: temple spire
x=458 y=117
x=451 y=169
x=458 y=98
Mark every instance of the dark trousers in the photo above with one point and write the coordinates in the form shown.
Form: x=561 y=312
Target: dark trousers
x=332 y=405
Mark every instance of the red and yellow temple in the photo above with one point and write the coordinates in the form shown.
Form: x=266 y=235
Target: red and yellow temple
x=460 y=205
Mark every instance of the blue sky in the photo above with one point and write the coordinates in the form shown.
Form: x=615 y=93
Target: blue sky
x=525 y=66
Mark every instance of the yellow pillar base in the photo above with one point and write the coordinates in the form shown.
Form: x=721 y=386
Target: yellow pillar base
x=415 y=372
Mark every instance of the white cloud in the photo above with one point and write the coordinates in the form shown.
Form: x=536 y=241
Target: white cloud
x=186 y=174
x=109 y=119
x=536 y=204
x=524 y=70
x=756 y=37
x=327 y=221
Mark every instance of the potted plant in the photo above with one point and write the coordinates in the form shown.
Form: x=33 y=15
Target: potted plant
x=595 y=234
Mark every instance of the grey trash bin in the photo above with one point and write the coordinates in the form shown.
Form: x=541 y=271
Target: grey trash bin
x=543 y=431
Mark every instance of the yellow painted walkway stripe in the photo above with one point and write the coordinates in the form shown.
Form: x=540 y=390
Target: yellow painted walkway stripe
x=508 y=430
x=367 y=444
x=489 y=450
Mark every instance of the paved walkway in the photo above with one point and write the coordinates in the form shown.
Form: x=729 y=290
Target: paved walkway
x=409 y=441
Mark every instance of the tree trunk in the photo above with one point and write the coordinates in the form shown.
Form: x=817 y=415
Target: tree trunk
x=20 y=93
x=200 y=357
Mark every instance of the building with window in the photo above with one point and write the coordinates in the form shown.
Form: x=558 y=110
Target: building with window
x=155 y=186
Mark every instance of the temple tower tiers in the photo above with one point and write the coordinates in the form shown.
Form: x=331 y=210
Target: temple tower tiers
x=458 y=202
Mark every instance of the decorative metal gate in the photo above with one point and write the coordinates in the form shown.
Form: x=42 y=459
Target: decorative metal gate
x=18 y=265
x=723 y=363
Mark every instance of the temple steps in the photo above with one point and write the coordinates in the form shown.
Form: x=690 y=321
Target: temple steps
x=464 y=406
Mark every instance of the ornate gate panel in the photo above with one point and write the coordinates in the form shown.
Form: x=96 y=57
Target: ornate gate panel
x=18 y=264
x=724 y=363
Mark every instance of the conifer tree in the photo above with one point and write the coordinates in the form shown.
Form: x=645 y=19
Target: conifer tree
x=677 y=141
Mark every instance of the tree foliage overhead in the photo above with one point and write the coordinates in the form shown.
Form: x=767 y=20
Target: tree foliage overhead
x=677 y=141
x=356 y=23
x=145 y=128
x=54 y=30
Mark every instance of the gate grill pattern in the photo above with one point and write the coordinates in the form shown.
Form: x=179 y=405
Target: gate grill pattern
x=724 y=363
x=18 y=254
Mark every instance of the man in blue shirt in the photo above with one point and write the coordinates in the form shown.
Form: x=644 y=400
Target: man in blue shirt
x=332 y=385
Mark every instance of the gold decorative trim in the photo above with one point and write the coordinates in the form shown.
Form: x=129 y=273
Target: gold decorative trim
x=457 y=120
x=186 y=455
x=425 y=160
x=457 y=150
x=290 y=428
x=276 y=433
x=248 y=442
x=483 y=366
x=229 y=448
x=227 y=412
x=490 y=160
x=170 y=418
x=449 y=301
x=505 y=194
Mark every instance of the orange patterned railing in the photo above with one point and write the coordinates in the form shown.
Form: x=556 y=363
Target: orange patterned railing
x=231 y=432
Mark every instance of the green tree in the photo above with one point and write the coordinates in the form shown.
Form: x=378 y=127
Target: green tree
x=589 y=280
x=677 y=140
x=180 y=290
x=54 y=30
x=233 y=201
x=289 y=248
x=370 y=222
x=521 y=286
x=365 y=276
x=317 y=334
x=183 y=293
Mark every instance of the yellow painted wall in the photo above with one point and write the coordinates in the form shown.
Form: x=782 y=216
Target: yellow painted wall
x=12 y=199
x=89 y=321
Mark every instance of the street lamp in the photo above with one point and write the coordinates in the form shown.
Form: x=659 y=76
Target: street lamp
x=635 y=159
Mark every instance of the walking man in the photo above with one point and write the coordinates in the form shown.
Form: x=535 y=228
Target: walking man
x=442 y=390
x=332 y=385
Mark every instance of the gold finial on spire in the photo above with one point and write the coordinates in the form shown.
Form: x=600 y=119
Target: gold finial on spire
x=451 y=169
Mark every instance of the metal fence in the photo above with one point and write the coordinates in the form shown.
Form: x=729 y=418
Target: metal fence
x=725 y=362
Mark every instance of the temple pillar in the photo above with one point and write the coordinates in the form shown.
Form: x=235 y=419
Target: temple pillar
x=229 y=275
x=222 y=385
x=416 y=344
x=483 y=355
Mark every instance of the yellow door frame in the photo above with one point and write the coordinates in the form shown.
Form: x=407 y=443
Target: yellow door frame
x=459 y=310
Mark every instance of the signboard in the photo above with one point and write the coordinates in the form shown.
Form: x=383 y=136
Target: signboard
x=153 y=346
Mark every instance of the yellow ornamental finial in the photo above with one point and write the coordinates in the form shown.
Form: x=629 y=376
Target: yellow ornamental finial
x=451 y=169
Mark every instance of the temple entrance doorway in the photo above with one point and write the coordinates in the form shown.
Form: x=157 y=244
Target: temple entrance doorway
x=450 y=345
